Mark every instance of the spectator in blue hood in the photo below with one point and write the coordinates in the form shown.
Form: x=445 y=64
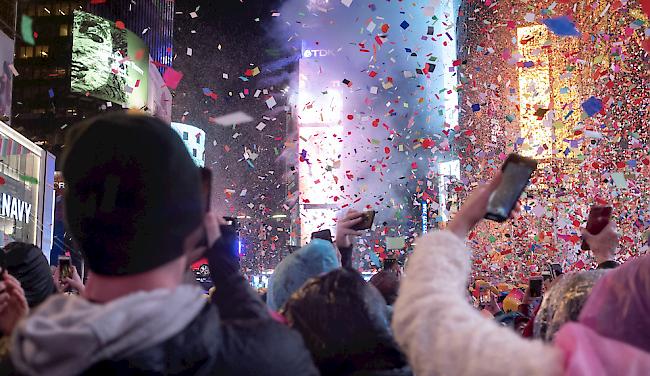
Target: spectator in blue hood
x=316 y=258
x=312 y=260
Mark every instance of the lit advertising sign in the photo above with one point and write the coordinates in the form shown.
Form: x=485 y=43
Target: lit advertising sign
x=108 y=62
x=315 y=51
x=16 y=209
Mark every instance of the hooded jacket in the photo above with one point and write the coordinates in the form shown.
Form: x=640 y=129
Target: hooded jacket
x=317 y=257
x=161 y=332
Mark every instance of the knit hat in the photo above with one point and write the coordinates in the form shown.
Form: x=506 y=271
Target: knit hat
x=133 y=193
x=27 y=263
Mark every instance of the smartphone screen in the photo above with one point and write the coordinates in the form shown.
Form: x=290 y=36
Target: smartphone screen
x=598 y=219
x=65 y=267
x=535 y=287
x=324 y=234
x=517 y=171
x=556 y=270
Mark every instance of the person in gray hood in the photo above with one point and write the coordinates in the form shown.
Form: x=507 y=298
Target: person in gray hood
x=134 y=206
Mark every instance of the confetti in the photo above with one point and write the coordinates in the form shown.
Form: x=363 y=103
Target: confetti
x=232 y=118
x=562 y=26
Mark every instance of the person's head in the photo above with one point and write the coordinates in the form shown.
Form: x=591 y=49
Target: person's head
x=27 y=263
x=619 y=304
x=387 y=282
x=344 y=322
x=393 y=265
x=314 y=259
x=133 y=196
x=564 y=301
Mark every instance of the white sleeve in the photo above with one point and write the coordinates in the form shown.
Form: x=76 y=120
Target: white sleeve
x=442 y=334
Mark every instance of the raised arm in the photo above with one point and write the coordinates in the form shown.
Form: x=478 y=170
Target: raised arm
x=440 y=332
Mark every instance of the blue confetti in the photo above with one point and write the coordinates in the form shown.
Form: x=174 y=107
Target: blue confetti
x=562 y=26
x=592 y=106
x=404 y=25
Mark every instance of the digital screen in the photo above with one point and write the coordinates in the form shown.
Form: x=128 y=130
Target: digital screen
x=514 y=180
x=108 y=62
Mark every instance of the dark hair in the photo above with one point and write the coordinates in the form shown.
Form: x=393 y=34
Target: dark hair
x=387 y=282
x=344 y=322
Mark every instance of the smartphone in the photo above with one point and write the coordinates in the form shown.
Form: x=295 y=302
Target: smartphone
x=598 y=219
x=65 y=267
x=535 y=287
x=206 y=189
x=517 y=171
x=323 y=234
x=232 y=222
x=366 y=222
x=556 y=270
x=206 y=185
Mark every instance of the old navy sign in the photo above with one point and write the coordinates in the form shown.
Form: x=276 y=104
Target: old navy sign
x=14 y=208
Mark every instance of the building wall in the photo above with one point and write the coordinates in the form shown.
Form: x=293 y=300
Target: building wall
x=152 y=20
x=194 y=139
x=43 y=105
x=7 y=35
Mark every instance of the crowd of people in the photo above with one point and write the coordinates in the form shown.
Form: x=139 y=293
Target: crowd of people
x=135 y=206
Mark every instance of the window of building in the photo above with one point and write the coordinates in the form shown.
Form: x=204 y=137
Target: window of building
x=26 y=52
x=62 y=9
x=194 y=153
x=41 y=51
x=186 y=136
x=64 y=30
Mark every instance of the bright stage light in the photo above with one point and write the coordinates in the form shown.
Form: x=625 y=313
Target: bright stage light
x=319 y=108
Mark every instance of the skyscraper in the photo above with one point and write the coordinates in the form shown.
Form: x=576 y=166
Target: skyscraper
x=151 y=20
x=48 y=95
x=7 y=36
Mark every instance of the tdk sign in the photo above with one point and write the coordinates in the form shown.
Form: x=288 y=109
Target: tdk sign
x=309 y=53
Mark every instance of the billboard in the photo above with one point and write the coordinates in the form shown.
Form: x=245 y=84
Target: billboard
x=6 y=75
x=108 y=62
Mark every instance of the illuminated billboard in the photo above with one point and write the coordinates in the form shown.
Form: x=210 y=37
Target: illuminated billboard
x=108 y=62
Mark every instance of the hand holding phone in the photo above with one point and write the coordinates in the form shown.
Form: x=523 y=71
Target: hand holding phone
x=516 y=173
x=598 y=219
x=368 y=217
x=323 y=235
x=65 y=268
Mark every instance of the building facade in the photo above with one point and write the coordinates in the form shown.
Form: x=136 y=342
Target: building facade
x=79 y=66
x=7 y=36
x=151 y=20
x=26 y=191
x=194 y=139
